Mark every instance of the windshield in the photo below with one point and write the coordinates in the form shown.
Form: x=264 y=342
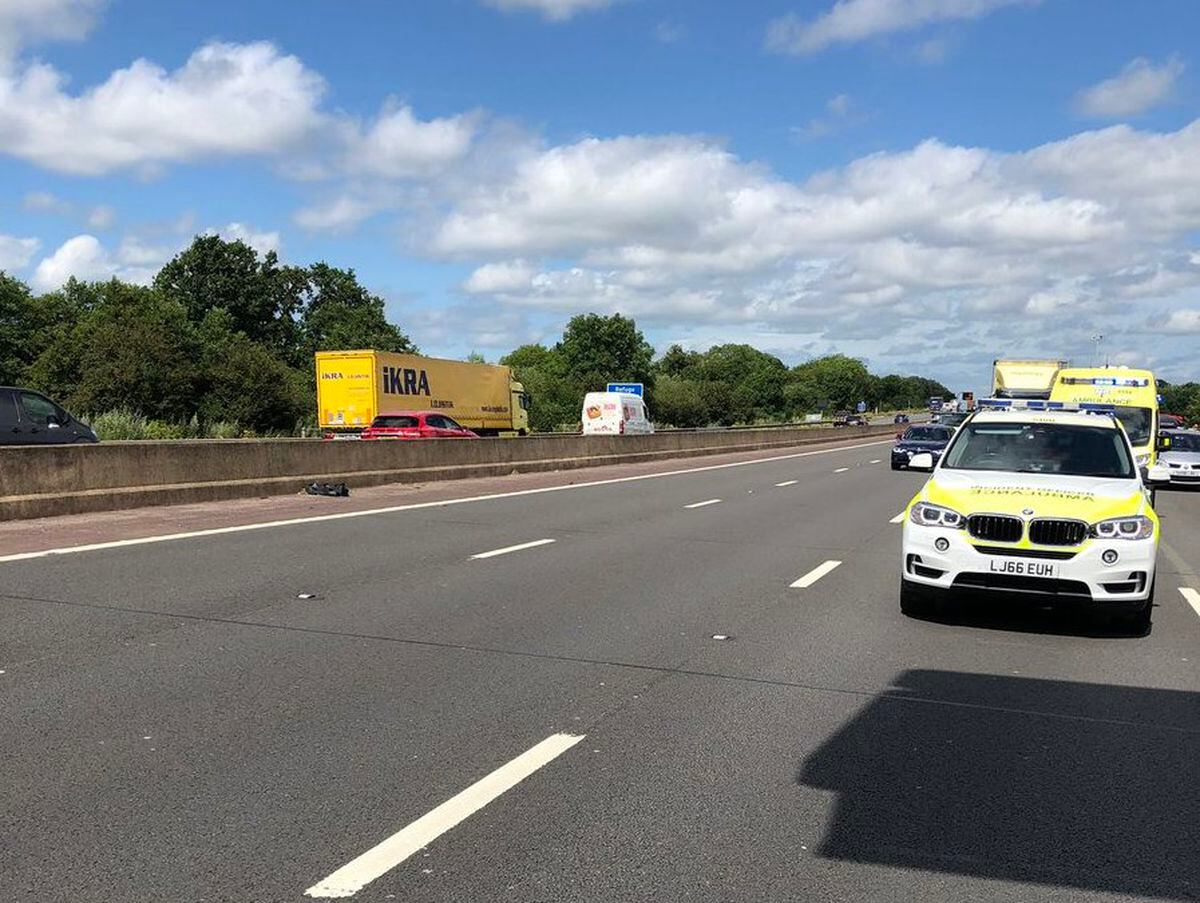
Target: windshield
x=926 y=434
x=1066 y=449
x=1185 y=442
x=394 y=421
x=1137 y=423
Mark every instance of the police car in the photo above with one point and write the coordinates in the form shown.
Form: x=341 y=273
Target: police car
x=1034 y=499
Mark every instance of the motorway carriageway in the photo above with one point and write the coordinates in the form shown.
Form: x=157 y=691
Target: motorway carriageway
x=695 y=686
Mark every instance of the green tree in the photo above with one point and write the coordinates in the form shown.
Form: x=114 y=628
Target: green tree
x=135 y=349
x=555 y=402
x=598 y=350
x=339 y=314
x=680 y=402
x=262 y=297
x=678 y=362
x=835 y=379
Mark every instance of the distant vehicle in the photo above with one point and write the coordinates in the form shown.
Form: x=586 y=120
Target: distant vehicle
x=354 y=387
x=918 y=439
x=952 y=419
x=1180 y=454
x=857 y=420
x=1134 y=393
x=1170 y=421
x=416 y=425
x=1024 y=378
x=30 y=418
x=847 y=418
x=615 y=414
x=935 y=405
x=900 y=418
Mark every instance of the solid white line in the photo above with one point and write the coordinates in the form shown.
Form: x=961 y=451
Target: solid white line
x=815 y=574
x=415 y=506
x=898 y=519
x=1193 y=597
x=382 y=858
x=841 y=470
x=507 y=549
x=788 y=483
x=875 y=461
x=703 y=504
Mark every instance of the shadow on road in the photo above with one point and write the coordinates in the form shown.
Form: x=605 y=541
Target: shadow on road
x=1049 y=782
x=984 y=612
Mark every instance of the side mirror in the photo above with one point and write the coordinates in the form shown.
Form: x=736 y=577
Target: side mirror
x=922 y=461
x=1158 y=473
x=1164 y=443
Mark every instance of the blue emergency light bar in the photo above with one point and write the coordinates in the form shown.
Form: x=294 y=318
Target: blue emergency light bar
x=1125 y=381
x=1037 y=404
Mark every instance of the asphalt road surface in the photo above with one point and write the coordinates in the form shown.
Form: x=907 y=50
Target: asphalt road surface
x=682 y=687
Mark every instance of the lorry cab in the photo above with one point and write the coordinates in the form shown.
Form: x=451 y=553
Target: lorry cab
x=519 y=405
x=615 y=413
x=1133 y=394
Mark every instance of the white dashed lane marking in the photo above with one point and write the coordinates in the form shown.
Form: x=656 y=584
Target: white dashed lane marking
x=703 y=504
x=517 y=548
x=788 y=483
x=1192 y=596
x=815 y=574
x=385 y=856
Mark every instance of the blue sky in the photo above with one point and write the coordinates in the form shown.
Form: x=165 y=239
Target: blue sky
x=927 y=184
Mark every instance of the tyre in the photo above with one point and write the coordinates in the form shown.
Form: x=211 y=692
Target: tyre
x=1137 y=623
x=895 y=466
x=915 y=600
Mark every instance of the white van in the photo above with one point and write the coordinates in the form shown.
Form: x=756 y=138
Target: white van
x=615 y=413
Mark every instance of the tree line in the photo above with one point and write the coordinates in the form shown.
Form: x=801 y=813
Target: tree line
x=225 y=337
x=725 y=385
x=222 y=335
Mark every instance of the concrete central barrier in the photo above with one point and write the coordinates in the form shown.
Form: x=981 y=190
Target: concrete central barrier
x=49 y=480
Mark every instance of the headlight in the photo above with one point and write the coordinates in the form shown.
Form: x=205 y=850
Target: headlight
x=898 y=450
x=1142 y=460
x=1136 y=527
x=927 y=515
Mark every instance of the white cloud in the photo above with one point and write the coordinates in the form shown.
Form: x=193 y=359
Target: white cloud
x=398 y=145
x=840 y=110
x=45 y=202
x=668 y=32
x=851 y=21
x=24 y=22
x=227 y=99
x=262 y=242
x=505 y=277
x=679 y=232
x=135 y=260
x=82 y=257
x=1185 y=321
x=15 y=253
x=101 y=216
x=338 y=215
x=551 y=10
x=1138 y=87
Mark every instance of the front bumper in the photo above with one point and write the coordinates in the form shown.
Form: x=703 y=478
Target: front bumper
x=1083 y=577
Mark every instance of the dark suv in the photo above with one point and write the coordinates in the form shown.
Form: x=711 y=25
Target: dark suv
x=30 y=418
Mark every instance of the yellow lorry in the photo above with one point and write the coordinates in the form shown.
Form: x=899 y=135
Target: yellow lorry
x=354 y=387
x=1024 y=378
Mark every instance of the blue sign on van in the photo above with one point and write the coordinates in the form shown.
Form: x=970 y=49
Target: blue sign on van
x=628 y=388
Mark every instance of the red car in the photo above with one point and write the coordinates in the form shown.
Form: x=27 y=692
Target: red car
x=416 y=425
